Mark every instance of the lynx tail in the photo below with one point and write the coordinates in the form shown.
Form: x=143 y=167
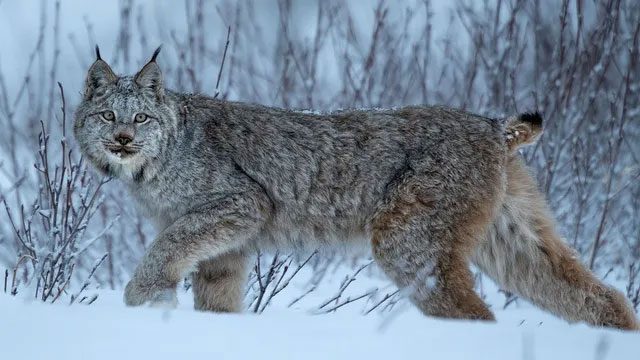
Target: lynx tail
x=523 y=129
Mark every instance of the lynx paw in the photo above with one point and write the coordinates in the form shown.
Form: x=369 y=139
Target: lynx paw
x=136 y=294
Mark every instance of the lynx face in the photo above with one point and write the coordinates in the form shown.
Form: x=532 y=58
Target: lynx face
x=124 y=125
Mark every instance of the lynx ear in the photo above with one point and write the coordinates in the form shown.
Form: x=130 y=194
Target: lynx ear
x=99 y=75
x=150 y=77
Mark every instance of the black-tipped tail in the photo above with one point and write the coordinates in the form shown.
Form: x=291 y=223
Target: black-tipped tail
x=533 y=118
x=523 y=129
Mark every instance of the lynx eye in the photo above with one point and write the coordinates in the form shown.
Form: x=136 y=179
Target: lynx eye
x=141 y=118
x=108 y=115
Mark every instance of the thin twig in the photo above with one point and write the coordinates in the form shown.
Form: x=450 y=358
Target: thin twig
x=224 y=56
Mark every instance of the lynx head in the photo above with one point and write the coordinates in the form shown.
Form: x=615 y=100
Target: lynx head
x=124 y=124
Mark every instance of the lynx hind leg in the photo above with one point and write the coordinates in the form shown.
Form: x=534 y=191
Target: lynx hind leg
x=523 y=254
x=423 y=245
x=219 y=282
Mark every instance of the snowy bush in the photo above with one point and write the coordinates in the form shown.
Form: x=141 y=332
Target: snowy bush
x=50 y=229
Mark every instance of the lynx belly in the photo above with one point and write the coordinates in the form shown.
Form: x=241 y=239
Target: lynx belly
x=313 y=234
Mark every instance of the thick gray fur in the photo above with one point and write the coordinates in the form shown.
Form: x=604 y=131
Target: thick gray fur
x=220 y=179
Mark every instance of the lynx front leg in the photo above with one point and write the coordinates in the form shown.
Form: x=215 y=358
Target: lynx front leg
x=205 y=233
x=218 y=283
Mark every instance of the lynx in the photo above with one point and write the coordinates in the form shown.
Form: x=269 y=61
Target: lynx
x=429 y=189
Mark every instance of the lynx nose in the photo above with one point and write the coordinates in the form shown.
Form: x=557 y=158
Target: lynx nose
x=124 y=138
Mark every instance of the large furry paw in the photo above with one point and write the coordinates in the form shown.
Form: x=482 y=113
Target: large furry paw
x=136 y=294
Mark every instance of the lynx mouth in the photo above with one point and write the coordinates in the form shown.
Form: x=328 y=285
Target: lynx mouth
x=121 y=151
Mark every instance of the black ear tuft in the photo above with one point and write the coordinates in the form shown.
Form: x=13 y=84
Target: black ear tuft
x=98 y=53
x=155 y=54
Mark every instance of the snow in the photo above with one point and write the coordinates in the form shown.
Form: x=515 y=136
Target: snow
x=109 y=330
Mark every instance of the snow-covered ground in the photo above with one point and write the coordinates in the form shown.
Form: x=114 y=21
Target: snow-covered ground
x=107 y=329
